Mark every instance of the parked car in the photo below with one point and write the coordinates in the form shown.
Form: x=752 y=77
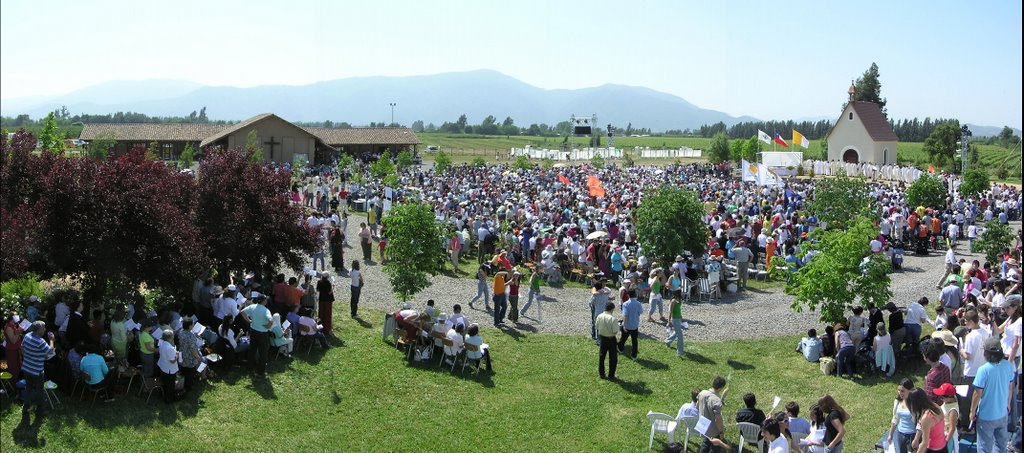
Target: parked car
x=433 y=148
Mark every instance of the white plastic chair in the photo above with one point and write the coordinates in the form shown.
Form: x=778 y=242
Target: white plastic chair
x=661 y=423
x=748 y=435
x=705 y=289
x=690 y=423
x=715 y=287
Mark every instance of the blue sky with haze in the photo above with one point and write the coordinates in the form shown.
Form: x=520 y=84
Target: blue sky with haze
x=771 y=60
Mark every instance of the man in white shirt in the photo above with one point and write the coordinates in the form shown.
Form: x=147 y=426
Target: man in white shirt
x=972 y=234
x=971 y=351
x=226 y=304
x=916 y=316
x=455 y=336
x=951 y=265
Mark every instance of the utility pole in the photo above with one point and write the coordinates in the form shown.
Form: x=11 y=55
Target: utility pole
x=965 y=138
x=392 y=104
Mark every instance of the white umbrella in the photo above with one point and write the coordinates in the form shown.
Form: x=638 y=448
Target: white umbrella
x=596 y=235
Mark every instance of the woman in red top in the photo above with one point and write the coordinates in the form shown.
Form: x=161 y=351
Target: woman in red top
x=12 y=335
x=931 y=433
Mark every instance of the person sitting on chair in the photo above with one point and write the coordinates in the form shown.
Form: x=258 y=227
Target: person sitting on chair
x=455 y=335
x=309 y=326
x=690 y=409
x=750 y=414
x=473 y=337
x=96 y=368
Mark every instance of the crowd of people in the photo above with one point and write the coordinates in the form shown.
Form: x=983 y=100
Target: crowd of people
x=526 y=227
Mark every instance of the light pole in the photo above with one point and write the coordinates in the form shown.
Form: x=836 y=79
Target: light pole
x=965 y=137
x=393 y=104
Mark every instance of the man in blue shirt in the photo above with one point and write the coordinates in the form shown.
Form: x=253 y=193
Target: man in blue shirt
x=810 y=346
x=260 y=322
x=990 y=403
x=35 y=347
x=631 y=311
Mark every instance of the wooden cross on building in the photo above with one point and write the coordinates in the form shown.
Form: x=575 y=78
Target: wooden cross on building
x=271 y=143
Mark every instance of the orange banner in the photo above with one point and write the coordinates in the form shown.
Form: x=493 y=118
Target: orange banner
x=592 y=181
x=596 y=192
x=564 y=180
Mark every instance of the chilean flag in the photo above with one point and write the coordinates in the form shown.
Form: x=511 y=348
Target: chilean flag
x=780 y=141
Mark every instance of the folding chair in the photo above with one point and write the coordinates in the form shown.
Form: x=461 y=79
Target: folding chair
x=51 y=395
x=455 y=358
x=435 y=335
x=465 y=358
x=149 y=385
x=661 y=423
x=714 y=284
x=705 y=289
x=690 y=423
x=748 y=435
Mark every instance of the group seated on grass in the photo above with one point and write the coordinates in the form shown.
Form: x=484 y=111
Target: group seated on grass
x=162 y=350
x=424 y=336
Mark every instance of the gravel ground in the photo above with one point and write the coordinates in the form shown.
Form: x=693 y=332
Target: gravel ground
x=752 y=313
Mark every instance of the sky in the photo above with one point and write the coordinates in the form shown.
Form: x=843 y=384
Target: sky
x=770 y=60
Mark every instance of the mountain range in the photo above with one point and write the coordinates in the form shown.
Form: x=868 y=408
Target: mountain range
x=361 y=100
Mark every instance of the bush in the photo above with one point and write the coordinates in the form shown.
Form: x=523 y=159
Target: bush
x=442 y=162
x=14 y=293
x=522 y=163
x=597 y=161
x=479 y=162
x=975 y=182
x=927 y=191
x=548 y=163
x=993 y=240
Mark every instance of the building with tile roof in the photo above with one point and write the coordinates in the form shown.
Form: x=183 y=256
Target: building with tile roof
x=862 y=134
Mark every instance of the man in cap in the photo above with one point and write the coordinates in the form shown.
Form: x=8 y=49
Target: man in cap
x=991 y=400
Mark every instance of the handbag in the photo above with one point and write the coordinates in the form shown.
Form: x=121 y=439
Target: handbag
x=827 y=366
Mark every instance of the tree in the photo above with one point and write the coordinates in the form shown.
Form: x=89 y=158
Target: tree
x=751 y=148
x=669 y=221
x=547 y=163
x=99 y=148
x=442 y=162
x=718 y=150
x=417 y=126
x=202 y=115
x=345 y=162
x=253 y=146
x=478 y=162
x=869 y=89
x=975 y=182
x=460 y=125
x=993 y=239
x=522 y=163
x=597 y=161
x=414 y=249
x=941 y=143
x=404 y=160
x=187 y=156
x=736 y=148
x=839 y=200
x=1007 y=137
x=50 y=138
x=381 y=168
x=245 y=216
x=842 y=271
x=153 y=151
x=628 y=159
x=927 y=191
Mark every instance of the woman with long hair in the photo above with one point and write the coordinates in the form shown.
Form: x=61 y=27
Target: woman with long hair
x=835 y=423
x=931 y=426
x=902 y=428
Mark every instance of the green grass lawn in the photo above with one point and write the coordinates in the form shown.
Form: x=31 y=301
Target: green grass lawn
x=543 y=396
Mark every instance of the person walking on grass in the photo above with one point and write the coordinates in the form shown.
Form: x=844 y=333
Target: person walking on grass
x=482 y=289
x=607 y=326
x=676 y=313
x=631 y=311
x=534 y=293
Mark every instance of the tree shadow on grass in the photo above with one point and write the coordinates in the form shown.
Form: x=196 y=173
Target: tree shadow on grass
x=634 y=387
x=737 y=365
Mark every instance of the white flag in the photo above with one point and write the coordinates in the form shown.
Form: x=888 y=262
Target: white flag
x=767 y=177
x=764 y=137
x=748 y=171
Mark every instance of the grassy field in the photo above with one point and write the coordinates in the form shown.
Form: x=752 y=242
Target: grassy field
x=543 y=396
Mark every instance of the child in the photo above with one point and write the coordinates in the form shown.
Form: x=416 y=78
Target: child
x=951 y=411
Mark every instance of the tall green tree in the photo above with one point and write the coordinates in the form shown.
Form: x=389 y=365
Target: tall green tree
x=597 y=161
x=718 y=150
x=927 y=191
x=382 y=168
x=50 y=137
x=404 y=160
x=751 y=148
x=522 y=163
x=837 y=201
x=993 y=239
x=869 y=88
x=99 y=147
x=187 y=156
x=736 y=149
x=253 y=146
x=842 y=272
x=442 y=162
x=941 y=143
x=414 y=249
x=670 y=221
x=975 y=182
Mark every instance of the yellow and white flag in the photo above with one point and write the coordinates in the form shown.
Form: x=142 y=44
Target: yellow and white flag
x=749 y=171
x=799 y=139
x=767 y=177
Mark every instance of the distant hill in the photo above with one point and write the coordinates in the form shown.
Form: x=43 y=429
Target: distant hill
x=988 y=131
x=361 y=100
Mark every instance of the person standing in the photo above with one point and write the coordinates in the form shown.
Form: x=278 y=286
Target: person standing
x=12 y=349
x=365 y=241
x=325 y=291
x=191 y=355
x=357 y=282
x=835 y=423
x=676 y=313
x=991 y=399
x=500 y=304
x=336 y=239
x=260 y=323
x=168 y=365
x=598 y=299
x=455 y=245
x=709 y=406
x=513 y=296
x=743 y=258
x=35 y=347
x=631 y=311
x=606 y=329
x=952 y=267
